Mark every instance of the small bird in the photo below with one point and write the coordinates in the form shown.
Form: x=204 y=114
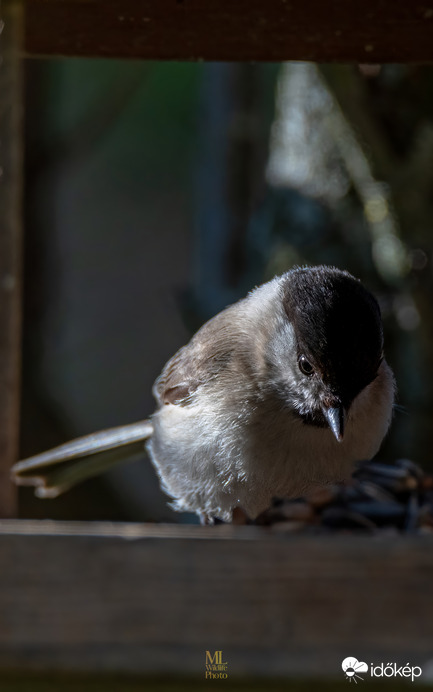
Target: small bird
x=279 y=393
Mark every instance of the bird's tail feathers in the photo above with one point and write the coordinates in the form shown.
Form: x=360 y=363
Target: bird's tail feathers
x=55 y=471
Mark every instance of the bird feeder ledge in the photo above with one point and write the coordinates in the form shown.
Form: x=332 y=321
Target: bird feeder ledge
x=153 y=599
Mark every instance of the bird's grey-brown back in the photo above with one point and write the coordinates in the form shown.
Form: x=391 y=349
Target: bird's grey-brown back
x=228 y=341
x=238 y=422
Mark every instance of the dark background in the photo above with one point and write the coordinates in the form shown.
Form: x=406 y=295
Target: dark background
x=158 y=193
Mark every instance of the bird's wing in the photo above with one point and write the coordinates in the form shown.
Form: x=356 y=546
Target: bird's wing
x=202 y=359
x=58 y=469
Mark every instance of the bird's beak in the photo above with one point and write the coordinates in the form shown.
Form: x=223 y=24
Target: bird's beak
x=336 y=418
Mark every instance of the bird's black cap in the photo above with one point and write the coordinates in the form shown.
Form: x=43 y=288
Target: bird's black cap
x=338 y=327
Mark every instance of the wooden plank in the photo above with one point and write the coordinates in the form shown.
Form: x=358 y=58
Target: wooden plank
x=149 y=599
x=18 y=681
x=10 y=248
x=126 y=530
x=271 y=30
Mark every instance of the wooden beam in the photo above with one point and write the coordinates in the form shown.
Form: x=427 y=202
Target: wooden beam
x=265 y=30
x=46 y=681
x=152 y=599
x=10 y=248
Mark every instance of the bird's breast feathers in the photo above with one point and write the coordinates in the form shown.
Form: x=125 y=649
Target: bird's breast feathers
x=211 y=462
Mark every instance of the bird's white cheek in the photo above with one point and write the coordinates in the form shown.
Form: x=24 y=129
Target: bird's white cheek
x=370 y=415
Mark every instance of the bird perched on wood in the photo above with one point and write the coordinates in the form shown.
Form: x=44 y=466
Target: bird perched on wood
x=278 y=393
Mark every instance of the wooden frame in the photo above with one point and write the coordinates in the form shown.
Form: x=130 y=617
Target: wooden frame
x=146 y=599
x=153 y=599
x=10 y=249
x=273 y=30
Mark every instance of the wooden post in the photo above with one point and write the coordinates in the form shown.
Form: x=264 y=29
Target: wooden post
x=10 y=247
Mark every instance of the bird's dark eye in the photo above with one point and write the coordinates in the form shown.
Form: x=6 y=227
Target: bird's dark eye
x=305 y=366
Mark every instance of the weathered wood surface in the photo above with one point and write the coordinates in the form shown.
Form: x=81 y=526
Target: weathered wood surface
x=273 y=30
x=10 y=247
x=17 y=681
x=153 y=599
